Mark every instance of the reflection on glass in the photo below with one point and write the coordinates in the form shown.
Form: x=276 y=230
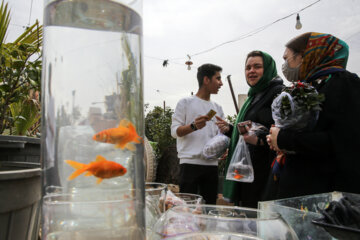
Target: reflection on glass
x=92 y=122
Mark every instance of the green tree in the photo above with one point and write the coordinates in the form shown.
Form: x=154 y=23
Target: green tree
x=157 y=128
x=20 y=78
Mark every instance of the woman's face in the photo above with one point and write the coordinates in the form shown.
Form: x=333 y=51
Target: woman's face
x=292 y=58
x=254 y=70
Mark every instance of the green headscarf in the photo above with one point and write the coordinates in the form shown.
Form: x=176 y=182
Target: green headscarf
x=230 y=187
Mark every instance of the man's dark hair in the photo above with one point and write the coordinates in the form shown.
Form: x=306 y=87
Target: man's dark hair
x=207 y=70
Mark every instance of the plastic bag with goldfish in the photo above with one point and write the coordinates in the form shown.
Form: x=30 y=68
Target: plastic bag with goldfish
x=240 y=168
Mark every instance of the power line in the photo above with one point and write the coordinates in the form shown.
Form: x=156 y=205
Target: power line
x=246 y=35
x=30 y=12
x=17 y=25
x=253 y=32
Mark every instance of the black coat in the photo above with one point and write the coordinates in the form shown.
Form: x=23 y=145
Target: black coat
x=327 y=158
x=261 y=157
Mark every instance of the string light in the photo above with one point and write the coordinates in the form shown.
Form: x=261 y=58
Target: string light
x=246 y=35
x=189 y=63
x=298 y=24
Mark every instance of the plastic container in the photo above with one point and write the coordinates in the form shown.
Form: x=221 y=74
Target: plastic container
x=198 y=218
x=19 y=149
x=300 y=211
x=92 y=118
x=20 y=191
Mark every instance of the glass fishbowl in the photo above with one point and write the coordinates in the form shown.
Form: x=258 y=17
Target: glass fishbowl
x=300 y=211
x=186 y=219
x=213 y=236
x=92 y=120
x=190 y=198
x=153 y=206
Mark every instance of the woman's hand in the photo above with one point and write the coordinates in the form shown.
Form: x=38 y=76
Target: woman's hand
x=251 y=139
x=272 y=138
x=222 y=125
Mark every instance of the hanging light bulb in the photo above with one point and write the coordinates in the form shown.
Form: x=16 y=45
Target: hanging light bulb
x=189 y=62
x=298 y=23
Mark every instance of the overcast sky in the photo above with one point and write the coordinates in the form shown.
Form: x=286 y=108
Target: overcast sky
x=173 y=29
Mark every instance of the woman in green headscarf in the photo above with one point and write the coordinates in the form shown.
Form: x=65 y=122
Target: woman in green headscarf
x=265 y=84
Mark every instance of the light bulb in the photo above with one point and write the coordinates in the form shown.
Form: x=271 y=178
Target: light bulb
x=298 y=23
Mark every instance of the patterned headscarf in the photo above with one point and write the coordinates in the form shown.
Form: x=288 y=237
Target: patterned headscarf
x=324 y=54
x=263 y=83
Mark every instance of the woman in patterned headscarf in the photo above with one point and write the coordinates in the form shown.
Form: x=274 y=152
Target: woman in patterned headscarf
x=327 y=158
x=265 y=84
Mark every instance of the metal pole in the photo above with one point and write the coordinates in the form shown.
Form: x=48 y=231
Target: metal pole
x=232 y=94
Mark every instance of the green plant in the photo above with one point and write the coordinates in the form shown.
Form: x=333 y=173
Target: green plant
x=20 y=78
x=157 y=129
x=231 y=119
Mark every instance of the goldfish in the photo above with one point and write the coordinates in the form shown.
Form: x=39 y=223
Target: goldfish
x=100 y=168
x=122 y=136
x=237 y=175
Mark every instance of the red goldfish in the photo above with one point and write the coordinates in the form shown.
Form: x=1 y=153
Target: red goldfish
x=238 y=175
x=121 y=136
x=100 y=168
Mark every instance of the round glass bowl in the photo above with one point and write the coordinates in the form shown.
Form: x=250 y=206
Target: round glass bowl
x=216 y=218
x=213 y=236
x=153 y=192
x=153 y=206
x=127 y=233
x=190 y=198
x=78 y=214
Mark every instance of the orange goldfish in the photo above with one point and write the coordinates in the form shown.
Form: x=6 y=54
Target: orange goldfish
x=100 y=168
x=121 y=136
x=238 y=175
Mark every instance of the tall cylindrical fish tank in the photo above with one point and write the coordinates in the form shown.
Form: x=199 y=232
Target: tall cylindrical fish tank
x=92 y=120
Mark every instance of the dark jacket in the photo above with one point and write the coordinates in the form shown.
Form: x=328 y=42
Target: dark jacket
x=327 y=158
x=261 y=157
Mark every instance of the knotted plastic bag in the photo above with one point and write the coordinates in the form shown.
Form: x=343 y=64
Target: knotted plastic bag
x=216 y=146
x=240 y=168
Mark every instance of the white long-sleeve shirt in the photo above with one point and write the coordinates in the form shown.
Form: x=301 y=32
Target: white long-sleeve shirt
x=190 y=146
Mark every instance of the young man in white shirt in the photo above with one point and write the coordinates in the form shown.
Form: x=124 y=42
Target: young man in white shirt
x=193 y=128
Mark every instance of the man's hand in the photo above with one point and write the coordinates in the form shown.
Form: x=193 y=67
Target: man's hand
x=222 y=125
x=200 y=122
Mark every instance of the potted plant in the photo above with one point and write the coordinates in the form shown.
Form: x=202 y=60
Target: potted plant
x=20 y=77
x=20 y=183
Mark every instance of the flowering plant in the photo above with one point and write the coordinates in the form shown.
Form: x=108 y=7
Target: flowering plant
x=297 y=107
